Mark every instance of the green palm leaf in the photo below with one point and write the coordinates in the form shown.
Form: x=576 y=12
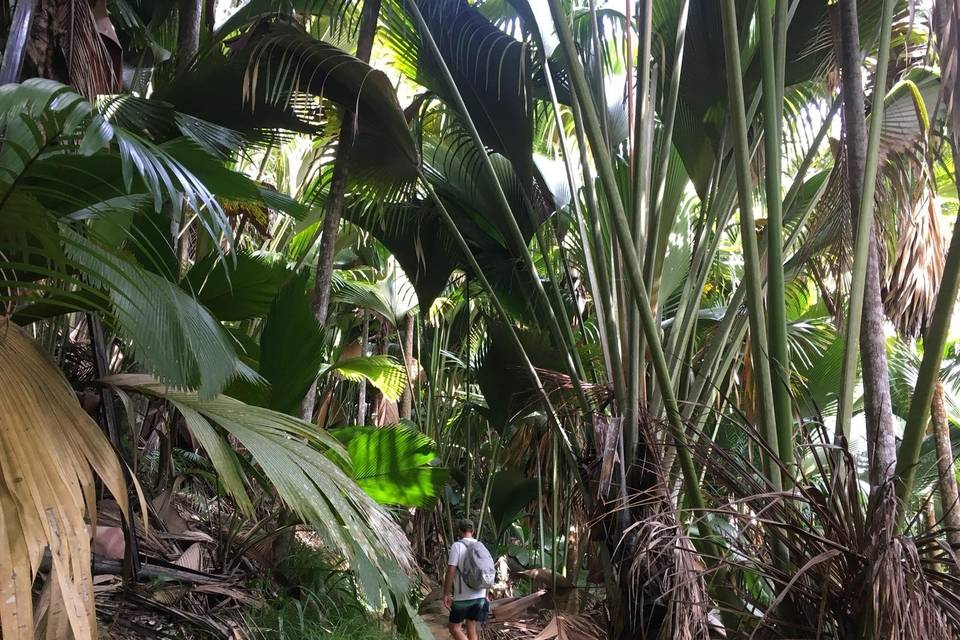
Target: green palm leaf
x=174 y=336
x=510 y=494
x=488 y=67
x=291 y=347
x=272 y=80
x=306 y=467
x=383 y=372
x=241 y=287
x=393 y=297
x=394 y=465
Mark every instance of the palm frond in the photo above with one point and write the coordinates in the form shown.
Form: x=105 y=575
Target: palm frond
x=489 y=69
x=906 y=122
x=384 y=372
x=162 y=122
x=413 y=232
x=68 y=31
x=173 y=335
x=305 y=464
x=239 y=287
x=292 y=347
x=285 y=64
x=910 y=293
x=50 y=449
x=393 y=298
x=394 y=465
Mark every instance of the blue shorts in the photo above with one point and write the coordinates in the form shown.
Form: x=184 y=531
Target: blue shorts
x=477 y=610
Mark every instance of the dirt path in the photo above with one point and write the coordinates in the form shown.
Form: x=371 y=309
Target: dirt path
x=437 y=625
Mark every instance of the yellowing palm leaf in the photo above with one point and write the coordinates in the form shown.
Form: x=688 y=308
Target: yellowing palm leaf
x=383 y=372
x=49 y=449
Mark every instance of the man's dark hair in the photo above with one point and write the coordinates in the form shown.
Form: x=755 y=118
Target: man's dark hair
x=465 y=526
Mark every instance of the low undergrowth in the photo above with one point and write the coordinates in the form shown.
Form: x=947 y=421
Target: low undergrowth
x=321 y=601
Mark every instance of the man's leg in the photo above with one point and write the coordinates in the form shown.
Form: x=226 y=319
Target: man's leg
x=456 y=631
x=473 y=630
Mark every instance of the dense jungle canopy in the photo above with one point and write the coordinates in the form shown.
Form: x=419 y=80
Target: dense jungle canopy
x=660 y=293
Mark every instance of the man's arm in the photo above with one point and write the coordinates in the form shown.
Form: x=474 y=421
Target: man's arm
x=448 y=585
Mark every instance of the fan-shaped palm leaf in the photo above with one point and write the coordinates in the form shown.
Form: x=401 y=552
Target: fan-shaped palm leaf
x=383 y=372
x=56 y=139
x=239 y=287
x=393 y=297
x=277 y=77
x=173 y=335
x=49 y=451
x=906 y=121
x=413 y=232
x=488 y=67
x=394 y=465
x=305 y=465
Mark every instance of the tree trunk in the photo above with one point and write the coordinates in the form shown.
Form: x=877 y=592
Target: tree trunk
x=338 y=184
x=880 y=438
x=17 y=41
x=362 y=398
x=949 y=498
x=406 y=405
x=210 y=14
x=881 y=441
x=188 y=35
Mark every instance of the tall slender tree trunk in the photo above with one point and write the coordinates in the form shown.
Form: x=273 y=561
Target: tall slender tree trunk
x=881 y=441
x=362 y=398
x=338 y=185
x=881 y=445
x=949 y=495
x=210 y=14
x=406 y=404
x=17 y=41
x=188 y=33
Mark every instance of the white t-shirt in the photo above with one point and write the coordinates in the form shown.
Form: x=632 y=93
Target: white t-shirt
x=461 y=591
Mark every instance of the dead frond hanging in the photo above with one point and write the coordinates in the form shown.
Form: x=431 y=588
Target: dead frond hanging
x=901 y=603
x=851 y=576
x=73 y=41
x=664 y=574
x=911 y=291
x=49 y=451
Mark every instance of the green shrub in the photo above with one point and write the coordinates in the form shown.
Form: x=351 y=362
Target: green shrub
x=317 y=600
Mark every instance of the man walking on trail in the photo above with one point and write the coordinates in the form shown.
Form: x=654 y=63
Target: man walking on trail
x=470 y=572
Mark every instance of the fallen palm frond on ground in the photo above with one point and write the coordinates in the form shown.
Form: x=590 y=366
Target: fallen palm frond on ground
x=195 y=578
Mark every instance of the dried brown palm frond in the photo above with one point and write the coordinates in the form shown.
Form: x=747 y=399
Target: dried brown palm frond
x=507 y=609
x=526 y=628
x=77 y=362
x=562 y=391
x=901 y=602
x=664 y=573
x=908 y=109
x=49 y=452
x=72 y=41
x=571 y=627
x=849 y=575
x=911 y=292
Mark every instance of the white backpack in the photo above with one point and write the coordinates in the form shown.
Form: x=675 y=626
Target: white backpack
x=477 y=568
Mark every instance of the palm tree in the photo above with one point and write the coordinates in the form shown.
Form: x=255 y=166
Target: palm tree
x=620 y=248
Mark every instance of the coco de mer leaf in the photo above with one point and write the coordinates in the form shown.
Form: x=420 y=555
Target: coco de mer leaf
x=49 y=451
